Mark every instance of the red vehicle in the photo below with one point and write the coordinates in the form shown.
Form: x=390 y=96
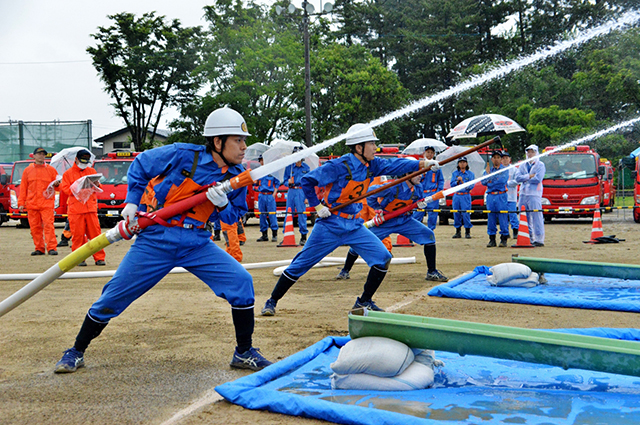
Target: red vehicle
x=114 y=167
x=14 y=192
x=5 y=198
x=576 y=178
x=636 y=192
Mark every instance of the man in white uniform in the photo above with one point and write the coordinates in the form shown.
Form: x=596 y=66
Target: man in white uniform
x=530 y=175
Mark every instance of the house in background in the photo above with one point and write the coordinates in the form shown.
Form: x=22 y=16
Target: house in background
x=121 y=140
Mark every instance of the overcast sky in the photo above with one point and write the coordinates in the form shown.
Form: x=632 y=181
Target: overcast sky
x=45 y=71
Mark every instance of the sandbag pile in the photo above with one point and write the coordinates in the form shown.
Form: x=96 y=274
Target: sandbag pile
x=513 y=275
x=382 y=364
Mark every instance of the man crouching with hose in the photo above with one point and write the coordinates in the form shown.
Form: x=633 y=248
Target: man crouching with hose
x=158 y=178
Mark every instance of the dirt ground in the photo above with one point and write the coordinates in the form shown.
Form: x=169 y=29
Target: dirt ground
x=171 y=347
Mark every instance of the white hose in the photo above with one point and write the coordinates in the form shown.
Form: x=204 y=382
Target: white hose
x=335 y=261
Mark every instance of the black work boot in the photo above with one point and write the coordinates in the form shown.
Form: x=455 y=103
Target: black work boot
x=515 y=233
x=467 y=233
x=303 y=239
x=458 y=235
x=492 y=241
x=64 y=241
x=274 y=236
x=263 y=238
x=503 y=241
x=216 y=235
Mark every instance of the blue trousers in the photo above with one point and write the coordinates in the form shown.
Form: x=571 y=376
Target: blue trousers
x=159 y=249
x=432 y=217
x=295 y=201
x=267 y=204
x=327 y=236
x=461 y=202
x=406 y=226
x=513 y=217
x=496 y=203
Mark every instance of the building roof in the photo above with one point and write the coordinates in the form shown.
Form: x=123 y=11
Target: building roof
x=159 y=132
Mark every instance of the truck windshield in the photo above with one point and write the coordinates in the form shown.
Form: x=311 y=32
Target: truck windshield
x=114 y=172
x=18 y=169
x=566 y=166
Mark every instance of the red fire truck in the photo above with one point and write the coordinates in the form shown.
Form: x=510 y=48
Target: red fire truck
x=114 y=167
x=14 y=192
x=576 y=178
x=5 y=198
x=636 y=192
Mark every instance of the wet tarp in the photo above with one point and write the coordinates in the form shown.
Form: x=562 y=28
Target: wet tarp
x=467 y=390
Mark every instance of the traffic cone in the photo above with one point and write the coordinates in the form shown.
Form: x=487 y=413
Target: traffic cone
x=523 y=232
x=596 y=229
x=403 y=241
x=289 y=236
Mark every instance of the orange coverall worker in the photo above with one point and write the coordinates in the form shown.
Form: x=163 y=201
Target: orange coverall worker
x=40 y=211
x=83 y=218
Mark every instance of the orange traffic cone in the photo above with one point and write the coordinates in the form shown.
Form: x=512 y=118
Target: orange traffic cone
x=403 y=241
x=523 y=232
x=596 y=230
x=289 y=237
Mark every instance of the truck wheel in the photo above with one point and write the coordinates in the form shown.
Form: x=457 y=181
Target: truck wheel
x=443 y=220
x=312 y=219
x=636 y=215
x=24 y=224
x=547 y=219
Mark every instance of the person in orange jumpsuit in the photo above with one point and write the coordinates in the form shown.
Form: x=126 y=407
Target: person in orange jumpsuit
x=83 y=216
x=36 y=178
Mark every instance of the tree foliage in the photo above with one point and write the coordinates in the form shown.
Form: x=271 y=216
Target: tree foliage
x=146 y=65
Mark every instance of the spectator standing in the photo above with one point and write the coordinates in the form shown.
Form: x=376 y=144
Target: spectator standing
x=496 y=200
x=295 y=195
x=512 y=194
x=462 y=199
x=268 y=189
x=38 y=197
x=530 y=174
x=432 y=182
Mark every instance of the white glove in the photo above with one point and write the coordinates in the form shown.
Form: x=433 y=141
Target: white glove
x=323 y=211
x=217 y=197
x=431 y=163
x=129 y=212
x=422 y=205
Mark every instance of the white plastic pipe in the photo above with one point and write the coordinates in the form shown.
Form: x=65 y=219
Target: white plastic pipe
x=334 y=261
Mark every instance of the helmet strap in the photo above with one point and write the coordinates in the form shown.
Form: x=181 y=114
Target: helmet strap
x=361 y=155
x=211 y=145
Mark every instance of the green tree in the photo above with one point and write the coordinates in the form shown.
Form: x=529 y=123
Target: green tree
x=146 y=65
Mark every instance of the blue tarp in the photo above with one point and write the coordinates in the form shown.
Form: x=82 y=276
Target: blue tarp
x=467 y=390
x=596 y=293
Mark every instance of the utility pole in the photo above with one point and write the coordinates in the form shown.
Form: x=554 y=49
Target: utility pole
x=307 y=77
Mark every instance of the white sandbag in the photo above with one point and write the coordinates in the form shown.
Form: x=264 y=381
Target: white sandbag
x=373 y=355
x=525 y=282
x=416 y=377
x=507 y=271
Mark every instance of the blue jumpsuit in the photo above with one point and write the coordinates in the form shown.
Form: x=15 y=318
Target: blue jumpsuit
x=462 y=199
x=431 y=183
x=295 y=195
x=267 y=203
x=497 y=201
x=393 y=199
x=344 y=178
x=159 y=249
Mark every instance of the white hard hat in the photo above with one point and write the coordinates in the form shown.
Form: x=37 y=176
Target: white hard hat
x=360 y=133
x=225 y=122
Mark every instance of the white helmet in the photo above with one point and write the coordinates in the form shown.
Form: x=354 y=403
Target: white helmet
x=360 y=133
x=225 y=122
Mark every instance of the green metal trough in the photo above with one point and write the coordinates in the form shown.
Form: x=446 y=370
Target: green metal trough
x=580 y=268
x=502 y=342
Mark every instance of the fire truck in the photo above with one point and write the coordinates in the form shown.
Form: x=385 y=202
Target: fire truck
x=14 y=192
x=576 y=178
x=636 y=192
x=5 y=199
x=114 y=167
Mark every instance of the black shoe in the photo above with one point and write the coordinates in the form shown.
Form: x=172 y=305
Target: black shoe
x=241 y=243
x=36 y=252
x=492 y=241
x=53 y=252
x=503 y=241
x=303 y=240
x=537 y=244
x=515 y=233
x=63 y=242
x=458 y=235
x=274 y=236
x=100 y=263
x=467 y=233
x=216 y=235
x=263 y=238
x=83 y=264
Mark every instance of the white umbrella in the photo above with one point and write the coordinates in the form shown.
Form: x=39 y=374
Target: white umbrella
x=484 y=125
x=252 y=154
x=475 y=161
x=65 y=159
x=417 y=146
x=280 y=149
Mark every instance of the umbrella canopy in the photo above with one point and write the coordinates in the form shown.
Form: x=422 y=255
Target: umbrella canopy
x=485 y=125
x=417 y=146
x=280 y=149
x=252 y=154
x=475 y=161
x=65 y=159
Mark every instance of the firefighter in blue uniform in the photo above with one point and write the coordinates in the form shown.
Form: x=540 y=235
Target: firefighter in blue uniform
x=293 y=175
x=462 y=198
x=432 y=182
x=392 y=199
x=267 y=189
x=160 y=177
x=497 y=200
x=344 y=179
